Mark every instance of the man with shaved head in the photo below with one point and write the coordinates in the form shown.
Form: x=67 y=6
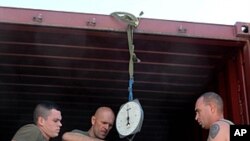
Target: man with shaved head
x=102 y=122
x=209 y=114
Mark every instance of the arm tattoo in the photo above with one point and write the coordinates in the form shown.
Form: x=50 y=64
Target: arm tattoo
x=214 y=130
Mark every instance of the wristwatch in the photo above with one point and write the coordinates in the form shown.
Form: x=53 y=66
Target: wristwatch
x=129 y=118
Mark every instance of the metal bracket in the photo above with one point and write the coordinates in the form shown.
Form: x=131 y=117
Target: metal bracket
x=181 y=29
x=242 y=29
x=91 y=22
x=38 y=18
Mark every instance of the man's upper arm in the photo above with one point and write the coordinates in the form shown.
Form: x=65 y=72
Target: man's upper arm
x=72 y=136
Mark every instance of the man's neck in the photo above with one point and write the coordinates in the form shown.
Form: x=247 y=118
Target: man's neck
x=44 y=134
x=91 y=133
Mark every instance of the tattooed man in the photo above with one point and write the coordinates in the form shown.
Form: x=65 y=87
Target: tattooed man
x=209 y=114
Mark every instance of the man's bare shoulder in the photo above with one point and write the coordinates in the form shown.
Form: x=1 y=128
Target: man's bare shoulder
x=219 y=131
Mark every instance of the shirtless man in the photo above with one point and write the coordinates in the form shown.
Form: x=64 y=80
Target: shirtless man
x=209 y=114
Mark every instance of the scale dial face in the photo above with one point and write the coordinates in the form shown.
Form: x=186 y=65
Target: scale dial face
x=129 y=118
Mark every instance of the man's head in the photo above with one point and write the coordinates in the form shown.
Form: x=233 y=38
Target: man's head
x=208 y=108
x=47 y=117
x=102 y=122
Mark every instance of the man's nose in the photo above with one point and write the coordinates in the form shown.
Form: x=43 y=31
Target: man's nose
x=196 y=117
x=60 y=124
x=107 y=126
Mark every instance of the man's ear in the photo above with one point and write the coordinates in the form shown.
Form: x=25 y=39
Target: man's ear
x=40 y=120
x=213 y=107
x=93 y=119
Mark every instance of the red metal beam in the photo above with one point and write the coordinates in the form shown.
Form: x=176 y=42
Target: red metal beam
x=107 y=22
x=246 y=82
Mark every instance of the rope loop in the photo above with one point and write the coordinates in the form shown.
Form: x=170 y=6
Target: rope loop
x=126 y=17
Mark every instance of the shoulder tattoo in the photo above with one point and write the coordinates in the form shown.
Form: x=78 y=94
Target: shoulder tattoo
x=214 y=130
